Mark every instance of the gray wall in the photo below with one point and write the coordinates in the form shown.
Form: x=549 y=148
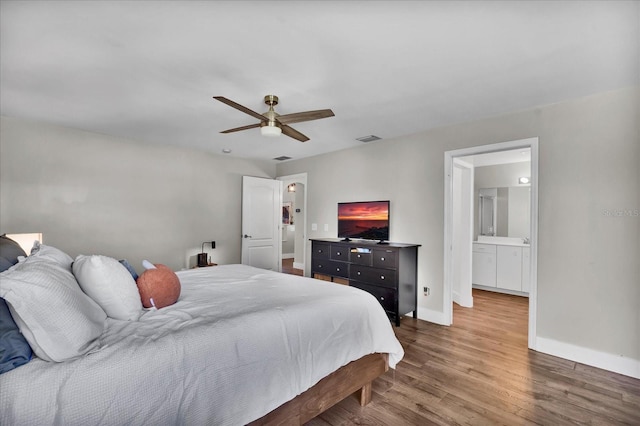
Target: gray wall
x=96 y=194
x=519 y=211
x=589 y=156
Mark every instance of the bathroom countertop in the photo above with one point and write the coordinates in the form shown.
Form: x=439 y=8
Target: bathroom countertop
x=501 y=241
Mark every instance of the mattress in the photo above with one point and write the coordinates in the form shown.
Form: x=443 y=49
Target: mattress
x=239 y=342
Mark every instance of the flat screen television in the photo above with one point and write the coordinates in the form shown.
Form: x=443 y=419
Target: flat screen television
x=367 y=220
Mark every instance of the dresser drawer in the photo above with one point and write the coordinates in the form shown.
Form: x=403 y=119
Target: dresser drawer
x=330 y=267
x=320 y=250
x=339 y=253
x=360 y=256
x=384 y=259
x=386 y=296
x=383 y=277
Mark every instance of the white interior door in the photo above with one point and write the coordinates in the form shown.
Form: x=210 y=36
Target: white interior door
x=462 y=226
x=262 y=223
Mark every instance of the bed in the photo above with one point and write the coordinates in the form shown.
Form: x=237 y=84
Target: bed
x=240 y=345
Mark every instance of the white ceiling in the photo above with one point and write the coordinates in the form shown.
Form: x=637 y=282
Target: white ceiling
x=147 y=70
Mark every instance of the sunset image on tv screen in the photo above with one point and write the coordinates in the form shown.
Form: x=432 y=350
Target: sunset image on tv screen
x=364 y=211
x=367 y=220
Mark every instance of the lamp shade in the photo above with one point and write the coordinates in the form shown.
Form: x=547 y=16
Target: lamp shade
x=270 y=130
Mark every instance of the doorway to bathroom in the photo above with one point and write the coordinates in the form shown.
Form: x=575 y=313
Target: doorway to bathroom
x=463 y=226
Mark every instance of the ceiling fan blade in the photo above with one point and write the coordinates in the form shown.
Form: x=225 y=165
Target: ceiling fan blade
x=240 y=108
x=297 y=117
x=293 y=133
x=237 y=129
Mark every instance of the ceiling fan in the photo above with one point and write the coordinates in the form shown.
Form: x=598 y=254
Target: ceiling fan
x=273 y=124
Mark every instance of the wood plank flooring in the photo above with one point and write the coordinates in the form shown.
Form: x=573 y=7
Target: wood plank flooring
x=287 y=267
x=480 y=372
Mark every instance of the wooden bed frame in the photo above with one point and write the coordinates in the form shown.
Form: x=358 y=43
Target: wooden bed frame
x=357 y=375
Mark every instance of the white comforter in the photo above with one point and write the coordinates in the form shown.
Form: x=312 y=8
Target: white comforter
x=239 y=342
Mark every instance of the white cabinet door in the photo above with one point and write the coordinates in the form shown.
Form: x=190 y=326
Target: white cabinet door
x=526 y=269
x=484 y=269
x=509 y=269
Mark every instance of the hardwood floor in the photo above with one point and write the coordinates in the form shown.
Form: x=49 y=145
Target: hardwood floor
x=287 y=267
x=480 y=372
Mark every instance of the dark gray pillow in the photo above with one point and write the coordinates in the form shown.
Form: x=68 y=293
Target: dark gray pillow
x=14 y=349
x=9 y=251
x=5 y=264
x=132 y=271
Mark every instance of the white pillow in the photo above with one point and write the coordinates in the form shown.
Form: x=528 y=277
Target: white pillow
x=109 y=284
x=58 y=320
x=51 y=253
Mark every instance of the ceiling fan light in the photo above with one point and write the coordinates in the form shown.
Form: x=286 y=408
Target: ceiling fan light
x=270 y=131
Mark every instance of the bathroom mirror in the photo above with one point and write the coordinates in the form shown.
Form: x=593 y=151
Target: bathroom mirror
x=504 y=212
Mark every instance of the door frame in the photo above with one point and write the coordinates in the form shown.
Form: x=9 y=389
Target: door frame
x=449 y=157
x=301 y=178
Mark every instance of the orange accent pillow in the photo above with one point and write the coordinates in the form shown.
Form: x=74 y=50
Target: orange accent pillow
x=158 y=287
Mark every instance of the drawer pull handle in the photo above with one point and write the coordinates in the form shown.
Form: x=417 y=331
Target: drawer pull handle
x=337 y=269
x=337 y=253
x=382 y=277
x=358 y=256
x=382 y=259
x=319 y=266
x=358 y=272
x=381 y=298
x=319 y=251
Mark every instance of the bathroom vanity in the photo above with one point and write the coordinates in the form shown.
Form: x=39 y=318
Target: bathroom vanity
x=501 y=264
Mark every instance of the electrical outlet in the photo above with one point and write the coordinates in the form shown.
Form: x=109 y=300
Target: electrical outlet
x=213 y=244
x=426 y=291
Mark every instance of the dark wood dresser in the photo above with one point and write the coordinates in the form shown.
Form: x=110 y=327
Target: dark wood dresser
x=387 y=271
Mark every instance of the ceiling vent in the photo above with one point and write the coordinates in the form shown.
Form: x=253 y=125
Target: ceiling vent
x=282 y=158
x=369 y=138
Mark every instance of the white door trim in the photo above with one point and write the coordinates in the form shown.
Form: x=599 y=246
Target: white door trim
x=448 y=234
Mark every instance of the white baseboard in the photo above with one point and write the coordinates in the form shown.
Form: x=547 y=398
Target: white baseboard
x=431 y=316
x=501 y=290
x=287 y=255
x=617 y=364
x=606 y=361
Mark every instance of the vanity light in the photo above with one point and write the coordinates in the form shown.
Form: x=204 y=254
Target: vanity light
x=524 y=180
x=291 y=188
